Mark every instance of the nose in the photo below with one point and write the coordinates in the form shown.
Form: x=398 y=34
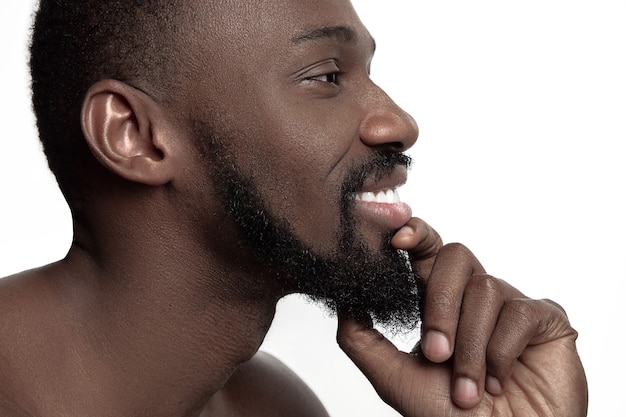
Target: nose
x=386 y=126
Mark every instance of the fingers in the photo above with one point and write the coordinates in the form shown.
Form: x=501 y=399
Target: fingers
x=452 y=269
x=409 y=383
x=497 y=324
x=481 y=322
x=480 y=326
x=483 y=303
x=524 y=322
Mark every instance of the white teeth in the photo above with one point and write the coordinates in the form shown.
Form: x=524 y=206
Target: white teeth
x=367 y=197
x=389 y=196
x=381 y=197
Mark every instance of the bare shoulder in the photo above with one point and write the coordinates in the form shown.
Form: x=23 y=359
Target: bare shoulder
x=265 y=386
x=9 y=409
x=23 y=327
x=12 y=322
x=20 y=302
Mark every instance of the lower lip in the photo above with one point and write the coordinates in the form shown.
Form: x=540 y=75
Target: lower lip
x=388 y=216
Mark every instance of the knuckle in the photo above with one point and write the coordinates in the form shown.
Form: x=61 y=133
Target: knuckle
x=555 y=322
x=354 y=343
x=500 y=361
x=470 y=351
x=520 y=311
x=459 y=257
x=555 y=305
x=457 y=249
x=442 y=303
x=484 y=286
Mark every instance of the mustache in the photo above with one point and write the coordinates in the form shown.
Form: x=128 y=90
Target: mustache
x=378 y=166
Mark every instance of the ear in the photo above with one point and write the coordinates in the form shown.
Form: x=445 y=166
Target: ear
x=127 y=132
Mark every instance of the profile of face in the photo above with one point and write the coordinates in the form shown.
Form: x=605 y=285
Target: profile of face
x=305 y=151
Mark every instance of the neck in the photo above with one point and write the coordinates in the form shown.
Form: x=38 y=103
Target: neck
x=162 y=326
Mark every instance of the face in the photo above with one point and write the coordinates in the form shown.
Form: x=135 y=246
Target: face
x=301 y=146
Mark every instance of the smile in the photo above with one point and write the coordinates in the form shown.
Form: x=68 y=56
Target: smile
x=383 y=208
x=388 y=196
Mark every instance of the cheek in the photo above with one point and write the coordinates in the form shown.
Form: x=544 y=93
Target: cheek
x=299 y=176
x=297 y=152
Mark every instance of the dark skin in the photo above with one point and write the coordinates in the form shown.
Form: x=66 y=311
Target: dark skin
x=157 y=327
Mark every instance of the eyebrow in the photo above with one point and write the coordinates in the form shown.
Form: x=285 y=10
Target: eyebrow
x=342 y=33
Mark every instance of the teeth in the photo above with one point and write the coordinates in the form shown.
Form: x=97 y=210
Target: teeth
x=397 y=196
x=367 y=197
x=381 y=197
x=389 y=196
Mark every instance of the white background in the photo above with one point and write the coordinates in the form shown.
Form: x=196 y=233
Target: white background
x=522 y=111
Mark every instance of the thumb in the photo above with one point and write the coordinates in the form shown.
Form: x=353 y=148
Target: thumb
x=410 y=383
x=377 y=358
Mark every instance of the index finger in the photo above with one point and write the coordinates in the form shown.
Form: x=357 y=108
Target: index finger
x=455 y=265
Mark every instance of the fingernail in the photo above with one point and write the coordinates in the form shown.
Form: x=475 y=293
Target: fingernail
x=436 y=345
x=405 y=230
x=465 y=390
x=493 y=385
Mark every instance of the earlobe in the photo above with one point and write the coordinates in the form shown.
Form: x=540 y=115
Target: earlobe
x=124 y=131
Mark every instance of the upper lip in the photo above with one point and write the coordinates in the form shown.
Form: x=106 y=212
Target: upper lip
x=396 y=179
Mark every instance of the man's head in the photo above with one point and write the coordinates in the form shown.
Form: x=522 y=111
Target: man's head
x=276 y=98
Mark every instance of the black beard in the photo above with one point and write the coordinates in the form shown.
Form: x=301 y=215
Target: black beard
x=368 y=285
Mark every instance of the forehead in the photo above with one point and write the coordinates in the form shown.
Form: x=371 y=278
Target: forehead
x=270 y=24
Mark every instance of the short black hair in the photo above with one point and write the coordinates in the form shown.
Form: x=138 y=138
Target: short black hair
x=75 y=43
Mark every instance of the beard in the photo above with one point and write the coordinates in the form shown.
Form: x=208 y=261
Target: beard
x=369 y=285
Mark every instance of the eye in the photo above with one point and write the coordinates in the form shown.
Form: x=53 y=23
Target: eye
x=322 y=77
x=331 y=77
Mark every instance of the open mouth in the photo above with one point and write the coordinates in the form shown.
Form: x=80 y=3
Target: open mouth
x=388 y=196
x=374 y=193
x=384 y=208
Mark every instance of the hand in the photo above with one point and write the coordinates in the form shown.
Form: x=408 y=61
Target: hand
x=486 y=350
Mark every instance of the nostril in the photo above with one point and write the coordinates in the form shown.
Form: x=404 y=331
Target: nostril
x=389 y=147
x=397 y=146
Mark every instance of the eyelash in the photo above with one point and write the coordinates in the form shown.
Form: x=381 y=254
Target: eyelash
x=331 y=77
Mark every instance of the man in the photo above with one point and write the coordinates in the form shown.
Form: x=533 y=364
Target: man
x=217 y=156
